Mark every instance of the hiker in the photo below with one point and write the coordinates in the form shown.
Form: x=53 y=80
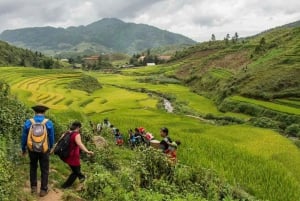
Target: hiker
x=104 y=125
x=73 y=160
x=30 y=139
x=138 y=137
x=166 y=141
x=148 y=137
x=113 y=129
x=118 y=137
x=131 y=138
x=172 y=150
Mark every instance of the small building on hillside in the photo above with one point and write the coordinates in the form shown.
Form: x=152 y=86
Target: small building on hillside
x=150 y=64
x=91 y=60
x=141 y=58
x=77 y=66
x=65 y=60
x=164 y=57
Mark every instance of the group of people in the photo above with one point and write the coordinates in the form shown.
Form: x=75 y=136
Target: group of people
x=106 y=125
x=39 y=152
x=140 y=136
x=38 y=140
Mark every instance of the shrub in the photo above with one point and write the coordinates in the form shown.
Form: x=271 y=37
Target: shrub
x=99 y=185
x=265 y=122
x=152 y=164
x=293 y=130
x=8 y=183
x=85 y=83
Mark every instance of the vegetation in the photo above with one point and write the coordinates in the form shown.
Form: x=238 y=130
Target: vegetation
x=129 y=103
x=13 y=56
x=85 y=83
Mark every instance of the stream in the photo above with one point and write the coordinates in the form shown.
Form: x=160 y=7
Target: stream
x=168 y=106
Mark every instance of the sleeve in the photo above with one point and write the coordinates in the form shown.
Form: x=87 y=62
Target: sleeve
x=25 y=131
x=51 y=135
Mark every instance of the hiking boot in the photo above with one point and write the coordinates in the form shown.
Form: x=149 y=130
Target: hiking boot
x=33 y=189
x=82 y=179
x=43 y=193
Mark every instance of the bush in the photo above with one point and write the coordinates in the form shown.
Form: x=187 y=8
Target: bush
x=293 y=130
x=86 y=83
x=100 y=184
x=265 y=122
x=8 y=183
x=152 y=164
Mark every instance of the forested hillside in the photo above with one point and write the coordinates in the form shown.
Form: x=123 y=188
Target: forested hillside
x=13 y=56
x=258 y=75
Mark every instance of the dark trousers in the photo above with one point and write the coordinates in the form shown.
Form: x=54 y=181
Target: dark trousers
x=43 y=159
x=75 y=173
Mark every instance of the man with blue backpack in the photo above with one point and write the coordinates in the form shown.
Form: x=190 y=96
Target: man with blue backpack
x=38 y=139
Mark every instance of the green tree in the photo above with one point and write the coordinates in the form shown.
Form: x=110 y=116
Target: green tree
x=213 y=37
x=226 y=39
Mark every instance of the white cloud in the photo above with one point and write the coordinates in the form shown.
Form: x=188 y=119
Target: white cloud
x=197 y=19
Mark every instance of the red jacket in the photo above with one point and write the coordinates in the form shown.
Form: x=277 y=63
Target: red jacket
x=74 y=156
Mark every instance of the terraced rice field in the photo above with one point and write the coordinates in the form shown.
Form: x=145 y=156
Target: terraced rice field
x=272 y=105
x=261 y=161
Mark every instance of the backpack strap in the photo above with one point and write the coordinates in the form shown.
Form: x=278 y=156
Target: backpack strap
x=32 y=121
x=44 y=121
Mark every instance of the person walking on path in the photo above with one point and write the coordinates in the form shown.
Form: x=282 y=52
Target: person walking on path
x=38 y=152
x=73 y=160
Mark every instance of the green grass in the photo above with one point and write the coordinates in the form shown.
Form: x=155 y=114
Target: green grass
x=269 y=105
x=220 y=73
x=289 y=102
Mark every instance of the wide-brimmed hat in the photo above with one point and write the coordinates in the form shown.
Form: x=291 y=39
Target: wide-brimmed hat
x=40 y=108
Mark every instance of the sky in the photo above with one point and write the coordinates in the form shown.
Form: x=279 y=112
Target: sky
x=196 y=19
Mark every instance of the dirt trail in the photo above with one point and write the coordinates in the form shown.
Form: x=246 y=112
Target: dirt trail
x=54 y=194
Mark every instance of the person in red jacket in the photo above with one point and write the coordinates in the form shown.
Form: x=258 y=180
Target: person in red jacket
x=73 y=160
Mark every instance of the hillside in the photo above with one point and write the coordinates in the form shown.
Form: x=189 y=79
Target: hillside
x=13 y=56
x=293 y=24
x=265 y=67
x=106 y=35
x=258 y=76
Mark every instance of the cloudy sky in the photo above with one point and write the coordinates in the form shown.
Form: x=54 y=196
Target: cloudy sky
x=197 y=19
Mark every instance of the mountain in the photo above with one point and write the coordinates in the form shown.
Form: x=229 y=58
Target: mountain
x=106 y=35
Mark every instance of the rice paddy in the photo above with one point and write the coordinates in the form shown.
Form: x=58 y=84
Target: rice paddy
x=261 y=161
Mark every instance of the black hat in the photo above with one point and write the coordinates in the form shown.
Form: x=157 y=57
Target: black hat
x=165 y=130
x=40 y=108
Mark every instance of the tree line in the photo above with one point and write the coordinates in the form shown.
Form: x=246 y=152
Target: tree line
x=14 y=56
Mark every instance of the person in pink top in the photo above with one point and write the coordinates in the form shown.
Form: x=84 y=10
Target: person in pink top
x=73 y=160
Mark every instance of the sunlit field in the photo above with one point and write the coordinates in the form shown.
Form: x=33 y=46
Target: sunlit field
x=262 y=161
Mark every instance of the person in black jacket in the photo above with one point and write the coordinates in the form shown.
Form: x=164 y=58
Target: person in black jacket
x=166 y=141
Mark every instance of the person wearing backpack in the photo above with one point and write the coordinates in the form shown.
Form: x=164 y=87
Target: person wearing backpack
x=73 y=160
x=38 y=139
